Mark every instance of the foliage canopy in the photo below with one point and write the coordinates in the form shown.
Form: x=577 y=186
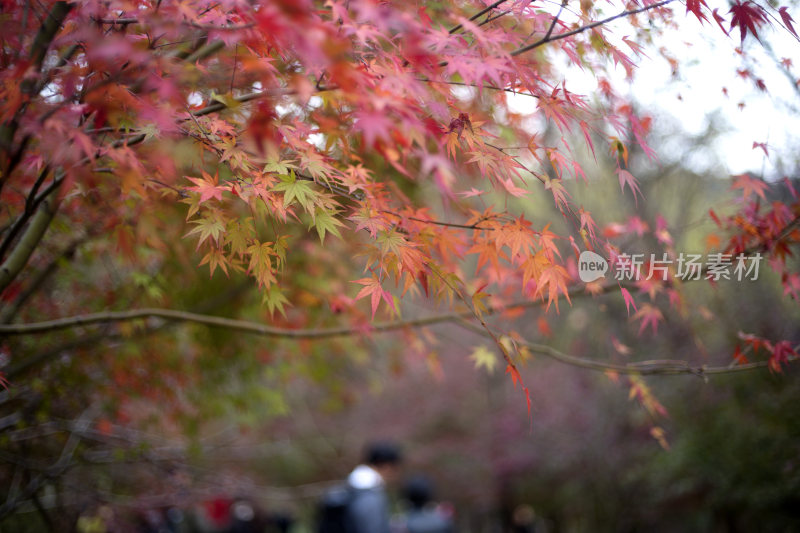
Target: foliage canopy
x=355 y=160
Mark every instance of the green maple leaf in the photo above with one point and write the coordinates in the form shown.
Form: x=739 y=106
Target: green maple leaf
x=325 y=222
x=391 y=241
x=279 y=167
x=207 y=227
x=294 y=189
x=238 y=235
x=260 y=264
x=274 y=299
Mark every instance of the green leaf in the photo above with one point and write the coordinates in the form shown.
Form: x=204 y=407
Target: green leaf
x=208 y=226
x=150 y=131
x=274 y=299
x=279 y=167
x=294 y=189
x=260 y=265
x=325 y=221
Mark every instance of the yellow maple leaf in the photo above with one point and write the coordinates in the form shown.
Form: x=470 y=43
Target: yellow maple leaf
x=485 y=358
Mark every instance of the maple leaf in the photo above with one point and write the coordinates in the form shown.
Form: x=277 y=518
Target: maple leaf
x=472 y=192
x=695 y=6
x=208 y=187
x=748 y=16
x=373 y=125
x=517 y=236
x=208 y=226
x=325 y=221
x=487 y=253
x=649 y=315
x=372 y=288
x=560 y=193
x=749 y=185
x=533 y=267
x=369 y=220
x=629 y=302
x=274 y=299
x=555 y=278
x=295 y=189
x=260 y=263
x=782 y=353
x=215 y=258
x=626 y=178
x=719 y=19
x=787 y=21
x=484 y=358
x=515 y=376
x=641 y=392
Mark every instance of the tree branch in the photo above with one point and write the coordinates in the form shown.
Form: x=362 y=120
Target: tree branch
x=550 y=38
x=8 y=313
x=664 y=367
x=28 y=242
x=477 y=15
x=41 y=43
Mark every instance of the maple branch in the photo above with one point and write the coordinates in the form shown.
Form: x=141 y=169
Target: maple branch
x=205 y=51
x=474 y=226
x=18 y=258
x=258 y=328
x=477 y=15
x=8 y=313
x=555 y=20
x=663 y=367
x=41 y=43
x=132 y=20
x=243 y=326
x=485 y=86
x=551 y=38
x=657 y=367
x=57 y=468
x=219 y=106
x=332 y=187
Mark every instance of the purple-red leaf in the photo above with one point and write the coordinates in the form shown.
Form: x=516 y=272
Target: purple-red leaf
x=748 y=16
x=787 y=20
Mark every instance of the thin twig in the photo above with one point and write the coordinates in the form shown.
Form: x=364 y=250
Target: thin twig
x=477 y=15
x=551 y=38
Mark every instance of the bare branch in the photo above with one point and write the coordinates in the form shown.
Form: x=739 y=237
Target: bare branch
x=477 y=15
x=550 y=38
x=18 y=258
x=664 y=367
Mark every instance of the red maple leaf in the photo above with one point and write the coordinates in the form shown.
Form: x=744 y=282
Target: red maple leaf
x=208 y=187
x=749 y=185
x=781 y=355
x=695 y=6
x=787 y=20
x=748 y=16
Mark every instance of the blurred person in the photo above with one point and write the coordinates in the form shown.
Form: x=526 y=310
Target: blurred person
x=523 y=520
x=361 y=505
x=423 y=515
x=368 y=509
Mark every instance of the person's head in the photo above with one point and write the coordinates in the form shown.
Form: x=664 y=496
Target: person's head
x=385 y=458
x=418 y=491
